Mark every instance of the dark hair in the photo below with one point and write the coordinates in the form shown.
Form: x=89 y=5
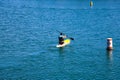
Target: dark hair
x=61 y=34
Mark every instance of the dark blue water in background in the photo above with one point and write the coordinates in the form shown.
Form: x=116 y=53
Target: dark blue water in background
x=28 y=38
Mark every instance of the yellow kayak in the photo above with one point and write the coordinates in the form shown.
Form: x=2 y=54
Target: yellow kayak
x=66 y=42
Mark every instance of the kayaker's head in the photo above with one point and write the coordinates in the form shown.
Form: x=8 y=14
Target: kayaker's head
x=61 y=34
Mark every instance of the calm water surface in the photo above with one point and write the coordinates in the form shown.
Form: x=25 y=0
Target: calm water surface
x=28 y=38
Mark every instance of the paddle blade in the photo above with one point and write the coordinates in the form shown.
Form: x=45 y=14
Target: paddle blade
x=72 y=38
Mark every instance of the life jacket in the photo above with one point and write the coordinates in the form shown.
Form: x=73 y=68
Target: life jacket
x=61 y=39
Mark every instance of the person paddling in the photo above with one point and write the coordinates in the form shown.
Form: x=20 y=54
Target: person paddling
x=61 y=38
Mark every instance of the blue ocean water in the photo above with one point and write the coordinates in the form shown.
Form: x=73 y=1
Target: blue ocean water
x=28 y=39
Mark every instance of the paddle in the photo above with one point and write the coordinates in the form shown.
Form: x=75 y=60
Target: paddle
x=71 y=38
x=64 y=34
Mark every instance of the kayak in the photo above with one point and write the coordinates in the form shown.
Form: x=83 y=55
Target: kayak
x=66 y=42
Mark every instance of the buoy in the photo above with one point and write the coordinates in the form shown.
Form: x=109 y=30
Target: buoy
x=91 y=3
x=109 y=44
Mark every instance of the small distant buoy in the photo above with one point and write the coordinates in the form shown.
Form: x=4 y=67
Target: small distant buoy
x=91 y=3
x=109 y=44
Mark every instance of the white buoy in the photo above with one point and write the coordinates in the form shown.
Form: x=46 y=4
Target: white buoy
x=109 y=44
